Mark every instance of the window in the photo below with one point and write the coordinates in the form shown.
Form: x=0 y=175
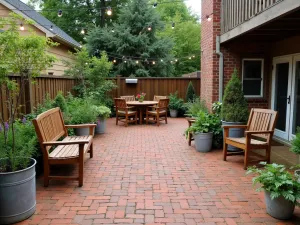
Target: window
x=253 y=77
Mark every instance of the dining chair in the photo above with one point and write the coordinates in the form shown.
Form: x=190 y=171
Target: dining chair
x=124 y=113
x=128 y=98
x=159 y=113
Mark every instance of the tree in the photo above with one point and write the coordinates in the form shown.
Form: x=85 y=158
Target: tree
x=26 y=56
x=190 y=92
x=144 y=54
x=185 y=35
x=79 y=14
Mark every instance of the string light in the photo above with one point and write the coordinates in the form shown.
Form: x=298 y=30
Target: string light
x=190 y=57
x=114 y=61
x=193 y=56
x=173 y=25
x=161 y=60
x=59 y=13
x=113 y=31
x=109 y=11
x=176 y=60
x=155 y=4
x=82 y=31
x=153 y=62
x=22 y=27
x=149 y=28
x=137 y=61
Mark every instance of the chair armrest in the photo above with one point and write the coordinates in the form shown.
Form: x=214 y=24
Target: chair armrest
x=259 y=132
x=234 y=126
x=82 y=142
x=81 y=126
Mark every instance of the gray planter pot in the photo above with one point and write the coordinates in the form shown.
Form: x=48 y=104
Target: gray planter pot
x=101 y=126
x=236 y=133
x=173 y=113
x=279 y=208
x=17 y=195
x=82 y=131
x=297 y=174
x=203 y=141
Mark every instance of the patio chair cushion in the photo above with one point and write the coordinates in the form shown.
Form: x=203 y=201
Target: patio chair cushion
x=154 y=112
x=129 y=112
x=242 y=140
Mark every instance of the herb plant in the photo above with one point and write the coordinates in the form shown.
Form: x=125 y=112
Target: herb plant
x=102 y=112
x=195 y=106
x=277 y=180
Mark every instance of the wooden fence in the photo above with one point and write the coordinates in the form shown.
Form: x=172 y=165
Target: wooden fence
x=35 y=93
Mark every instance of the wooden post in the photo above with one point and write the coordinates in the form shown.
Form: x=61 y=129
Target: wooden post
x=118 y=85
x=28 y=97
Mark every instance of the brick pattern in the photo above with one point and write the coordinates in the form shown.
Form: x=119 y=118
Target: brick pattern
x=149 y=175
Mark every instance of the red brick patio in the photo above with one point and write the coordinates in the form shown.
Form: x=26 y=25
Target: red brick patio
x=149 y=175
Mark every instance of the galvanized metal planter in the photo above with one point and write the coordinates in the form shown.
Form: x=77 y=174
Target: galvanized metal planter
x=173 y=113
x=101 y=127
x=236 y=133
x=203 y=141
x=82 y=131
x=17 y=195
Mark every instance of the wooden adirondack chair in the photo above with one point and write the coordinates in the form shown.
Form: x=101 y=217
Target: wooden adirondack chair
x=128 y=98
x=258 y=135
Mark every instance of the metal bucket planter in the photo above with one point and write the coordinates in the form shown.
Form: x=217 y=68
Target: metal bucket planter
x=236 y=133
x=203 y=141
x=279 y=208
x=17 y=195
x=173 y=113
x=101 y=126
x=82 y=131
x=297 y=174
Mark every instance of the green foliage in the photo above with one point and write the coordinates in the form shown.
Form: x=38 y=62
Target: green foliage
x=235 y=107
x=190 y=92
x=277 y=180
x=175 y=102
x=217 y=108
x=18 y=151
x=26 y=56
x=60 y=102
x=102 y=112
x=296 y=143
x=195 y=106
x=132 y=39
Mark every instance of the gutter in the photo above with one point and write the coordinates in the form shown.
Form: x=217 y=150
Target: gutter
x=221 y=67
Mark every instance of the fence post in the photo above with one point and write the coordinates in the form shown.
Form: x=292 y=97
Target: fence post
x=118 y=85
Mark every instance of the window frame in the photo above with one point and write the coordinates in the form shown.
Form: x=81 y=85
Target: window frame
x=261 y=95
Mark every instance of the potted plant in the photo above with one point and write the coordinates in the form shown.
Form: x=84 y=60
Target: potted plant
x=190 y=92
x=281 y=189
x=81 y=111
x=234 y=108
x=296 y=149
x=202 y=130
x=175 y=104
x=103 y=113
x=194 y=107
x=25 y=56
x=140 y=97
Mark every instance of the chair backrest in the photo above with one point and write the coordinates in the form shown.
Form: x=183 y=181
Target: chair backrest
x=128 y=98
x=163 y=103
x=120 y=103
x=262 y=120
x=49 y=126
x=158 y=97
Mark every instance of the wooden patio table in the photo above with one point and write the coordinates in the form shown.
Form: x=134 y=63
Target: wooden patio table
x=141 y=106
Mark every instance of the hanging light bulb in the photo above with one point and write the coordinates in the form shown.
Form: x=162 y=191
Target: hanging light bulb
x=208 y=18
x=193 y=56
x=22 y=27
x=114 y=61
x=137 y=61
x=176 y=60
x=80 y=46
x=149 y=28
x=82 y=31
x=109 y=11
x=161 y=60
x=153 y=62
x=113 y=31
x=155 y=4
x=172 y=61
x=125 y=61
x=51 y=27
x=190 y=57
x=59 y=13
x=173 y=25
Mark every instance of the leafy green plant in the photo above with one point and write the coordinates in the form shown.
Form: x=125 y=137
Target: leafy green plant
x=235 y=107
x=102 y=112
x=217 y=107
x=296 y=143
x=194 y=107
x=202 y=124
x=60 y=102
x=277 y=180
x=190 y=92
x=175 y=102
x=26 y=56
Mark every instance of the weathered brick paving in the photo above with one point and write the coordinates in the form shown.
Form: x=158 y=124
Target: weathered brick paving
x=149 y=175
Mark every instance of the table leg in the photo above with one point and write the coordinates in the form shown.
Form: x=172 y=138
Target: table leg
x=141 y=115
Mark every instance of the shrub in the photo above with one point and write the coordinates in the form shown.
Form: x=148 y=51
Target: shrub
x=277 y=180
x=102 y=112
x=235 y=107
x=60 y=102
x=195 y=106
x=175 y=102
x=190 y=92
x=296 y=143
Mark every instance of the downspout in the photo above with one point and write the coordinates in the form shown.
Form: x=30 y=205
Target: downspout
x=221 y=67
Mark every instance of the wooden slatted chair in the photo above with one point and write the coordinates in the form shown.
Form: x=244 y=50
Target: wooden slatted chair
x=50 y=127
x=128 y=98
x=160 y=113
x=158 y=97
x=190 y=135
x=124 y=112
x=258 y=135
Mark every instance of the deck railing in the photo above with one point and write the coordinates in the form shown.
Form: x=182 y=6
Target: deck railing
x=236 y=12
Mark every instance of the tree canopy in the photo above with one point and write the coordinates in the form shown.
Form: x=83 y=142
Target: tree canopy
x=133 y=44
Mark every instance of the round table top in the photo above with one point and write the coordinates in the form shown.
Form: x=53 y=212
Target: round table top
x=144 y=103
